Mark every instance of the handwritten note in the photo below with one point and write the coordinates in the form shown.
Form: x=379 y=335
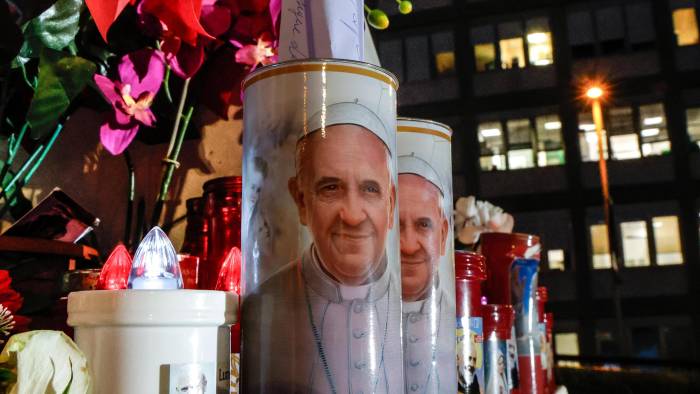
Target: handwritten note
x=322 y=29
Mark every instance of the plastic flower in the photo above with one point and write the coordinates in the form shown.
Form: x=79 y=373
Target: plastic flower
x=255 y=54
x=181 y=17
x=474 y=217
x=184 y=48
x=140 y=76
x=10 y=302
x=7 y=321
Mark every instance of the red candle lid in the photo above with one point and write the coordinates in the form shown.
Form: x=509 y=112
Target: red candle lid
x=115 y=273
x=512 y=238
x=498 y=318
x=229 y=278
x=470 y=265
x=234 y=183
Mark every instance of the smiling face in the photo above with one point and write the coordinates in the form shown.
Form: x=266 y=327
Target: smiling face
x=345 y=196
x=423 y=234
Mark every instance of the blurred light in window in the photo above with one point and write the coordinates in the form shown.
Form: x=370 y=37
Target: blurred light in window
x=512 y=53
x=600 y=246
x=540 y=48
x=445 y=63
x=685 y=25
x=667 y=240
x=635 y=243
x=485 y=57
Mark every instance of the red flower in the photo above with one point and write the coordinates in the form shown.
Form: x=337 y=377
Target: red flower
x=181 y=17
x=12 y=300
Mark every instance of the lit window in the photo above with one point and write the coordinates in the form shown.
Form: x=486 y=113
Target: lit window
x=600 y=246
x=635 y=243
x=623 y=139
x=512 y=53
x=492 y=147
x=555 y=259
x=539 y=46
x=653 y=133
x=442 y=47
x=566 y=343
x=549 y=146
x=588 y=139
x=667 y=240
x=445 y=63
x=685 y=25
x=693 y=119
x=625 y=147
x=485 y=56
x=520 y=135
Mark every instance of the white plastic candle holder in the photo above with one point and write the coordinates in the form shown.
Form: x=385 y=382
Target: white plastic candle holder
x=155 y=341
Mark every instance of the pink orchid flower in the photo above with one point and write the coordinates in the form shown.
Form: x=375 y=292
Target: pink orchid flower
x=255 y=54
x=140 y=76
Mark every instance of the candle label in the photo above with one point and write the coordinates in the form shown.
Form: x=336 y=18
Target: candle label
x=470 y=355
x=496 y=366
x=512 y=362
x=542 y=332
x=192 y=378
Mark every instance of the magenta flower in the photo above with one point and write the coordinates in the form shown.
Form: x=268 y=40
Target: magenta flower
x=255 y=54
x=140 y=76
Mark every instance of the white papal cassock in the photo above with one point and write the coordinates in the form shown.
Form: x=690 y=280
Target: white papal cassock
x=306 y=333
x=421 y=360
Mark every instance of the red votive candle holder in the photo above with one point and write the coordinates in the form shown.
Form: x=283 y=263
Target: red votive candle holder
x=542 y=297
x=549 y=324
x=189 y=266
x=500 y=250
x=223 y=215
x=498 y=371
x=470 y=272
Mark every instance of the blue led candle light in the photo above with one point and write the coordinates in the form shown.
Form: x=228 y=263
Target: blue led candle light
x=155 y=265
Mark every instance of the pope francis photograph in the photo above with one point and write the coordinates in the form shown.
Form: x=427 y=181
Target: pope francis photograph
x=428 y=322
x=329 y=321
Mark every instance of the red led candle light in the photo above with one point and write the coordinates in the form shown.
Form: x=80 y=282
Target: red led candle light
x=230 y=280
x=115 y=272
x=230 y=273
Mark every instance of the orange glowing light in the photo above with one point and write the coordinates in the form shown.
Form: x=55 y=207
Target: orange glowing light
x=594 y=92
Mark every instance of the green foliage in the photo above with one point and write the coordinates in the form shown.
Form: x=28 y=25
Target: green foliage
x=55 y=28
x=61 y=78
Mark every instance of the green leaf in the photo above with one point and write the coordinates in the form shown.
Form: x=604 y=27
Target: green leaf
x=54 y=28
x=7 y=375
x=61 y=78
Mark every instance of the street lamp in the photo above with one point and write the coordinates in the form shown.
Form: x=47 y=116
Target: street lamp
x=595 y=93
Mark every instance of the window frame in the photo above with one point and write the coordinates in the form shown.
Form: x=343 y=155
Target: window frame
x=496 y=43
x=629 y=47
x=651 y=241
x=687 y=130
x=532 y=119
x=433 y=74
x=637 y=130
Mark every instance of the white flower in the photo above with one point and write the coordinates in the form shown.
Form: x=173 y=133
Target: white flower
x=7 y=321
x=473 y=217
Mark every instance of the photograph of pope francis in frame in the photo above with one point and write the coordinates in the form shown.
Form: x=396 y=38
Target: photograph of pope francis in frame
x=329 y=319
